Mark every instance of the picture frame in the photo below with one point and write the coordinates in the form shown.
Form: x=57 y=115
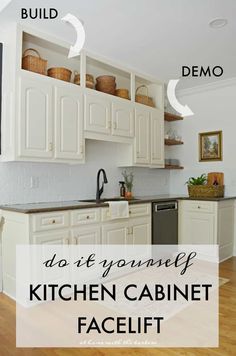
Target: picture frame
x=210 y=146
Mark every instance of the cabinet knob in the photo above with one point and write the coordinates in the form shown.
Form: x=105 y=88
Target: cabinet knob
x=199 y=207
x=87 y=217
x=53 y=221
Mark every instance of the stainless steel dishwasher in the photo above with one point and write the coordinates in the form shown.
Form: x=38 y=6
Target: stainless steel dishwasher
x=165 y=223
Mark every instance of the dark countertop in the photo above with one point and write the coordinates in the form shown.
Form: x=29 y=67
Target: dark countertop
x=76 y=204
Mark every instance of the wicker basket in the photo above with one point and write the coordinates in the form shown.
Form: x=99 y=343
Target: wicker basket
x=122 y=93
x=105 y=79
x=206 y=191
x=60 y=73
x=89 y=80
x=34 y=63
x=143 y=99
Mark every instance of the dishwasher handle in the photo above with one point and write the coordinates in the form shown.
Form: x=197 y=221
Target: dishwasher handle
x=161 y=207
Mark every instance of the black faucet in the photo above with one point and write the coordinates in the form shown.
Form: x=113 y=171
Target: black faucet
x=105 y=181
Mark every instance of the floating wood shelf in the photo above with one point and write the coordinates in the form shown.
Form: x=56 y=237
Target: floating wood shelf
x=170 y=142
x=172 y=117
x=170 y=166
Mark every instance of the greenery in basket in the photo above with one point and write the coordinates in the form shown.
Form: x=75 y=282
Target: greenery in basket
x=201 y=180
x=129 y=179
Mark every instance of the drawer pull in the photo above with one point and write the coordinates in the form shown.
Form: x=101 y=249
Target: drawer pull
x=87 y=217
x=199 y=207
x=53 y=221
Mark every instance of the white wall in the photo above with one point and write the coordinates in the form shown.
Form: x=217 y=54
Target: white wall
x=214 y=108
x=66 y=182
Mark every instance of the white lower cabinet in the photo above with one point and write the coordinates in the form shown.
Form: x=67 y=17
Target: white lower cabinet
x=139 y=231
x=115 y=233
x=79 y=226
x=52 y=238
x=198 y=228
x=90 y=235
x=207 y=222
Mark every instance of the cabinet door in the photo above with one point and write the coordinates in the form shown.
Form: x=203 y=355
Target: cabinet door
x=86 y=236
x=139 y=231
x=97 y=114
x=142 y=139
x=52 y=238
x=35 y=118
x=44 y=239
x=122 y=118
x=115 y=233
x=69 y=140
x=157 y=138
x=197 y=228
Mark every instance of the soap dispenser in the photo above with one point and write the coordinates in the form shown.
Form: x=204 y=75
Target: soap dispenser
x=122 y=189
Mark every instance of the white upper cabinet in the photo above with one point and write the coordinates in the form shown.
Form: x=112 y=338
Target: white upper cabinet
x=69 y=138
x=157 y=138
x=97 y=114
x=107 y=117
x=142 y=136
x=46 y=119
x=122 y=118
x=35 y=124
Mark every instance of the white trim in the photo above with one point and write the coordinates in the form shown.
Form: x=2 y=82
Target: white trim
x=206 y=87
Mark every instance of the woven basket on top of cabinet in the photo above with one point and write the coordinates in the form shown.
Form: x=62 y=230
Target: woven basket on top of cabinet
x=60 y=73
x=144 y=99
x=34 y=63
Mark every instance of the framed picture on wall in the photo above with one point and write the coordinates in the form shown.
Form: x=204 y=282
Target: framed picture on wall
x=210 y=146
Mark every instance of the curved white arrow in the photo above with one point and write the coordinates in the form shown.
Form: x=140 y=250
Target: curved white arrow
x=76 y=23
x=4 y=3
x=184 y=110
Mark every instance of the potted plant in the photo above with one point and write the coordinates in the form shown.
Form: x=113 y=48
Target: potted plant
x=129 y=179
x=198 y=188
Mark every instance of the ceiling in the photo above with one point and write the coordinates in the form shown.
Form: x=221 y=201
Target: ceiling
x=157 y=37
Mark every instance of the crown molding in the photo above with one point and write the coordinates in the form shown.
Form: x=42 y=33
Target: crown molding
x=207 y=87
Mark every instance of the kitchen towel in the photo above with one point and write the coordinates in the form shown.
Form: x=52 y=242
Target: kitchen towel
x=118 y=209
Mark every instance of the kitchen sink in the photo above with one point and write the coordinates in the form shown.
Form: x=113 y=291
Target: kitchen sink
x=106 y=200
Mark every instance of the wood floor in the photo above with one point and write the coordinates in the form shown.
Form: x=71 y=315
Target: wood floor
x=227 y=329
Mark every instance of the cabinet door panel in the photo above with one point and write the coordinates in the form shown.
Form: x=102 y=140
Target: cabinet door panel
x=157 y=138
x=197 y=228
x=115 y=233
x=122 y=119
x=140 y=231
x=35 y=118
x=86 y=236
x=97 y=114
x=142 y=139
x=69 y=142
x=45 y=239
